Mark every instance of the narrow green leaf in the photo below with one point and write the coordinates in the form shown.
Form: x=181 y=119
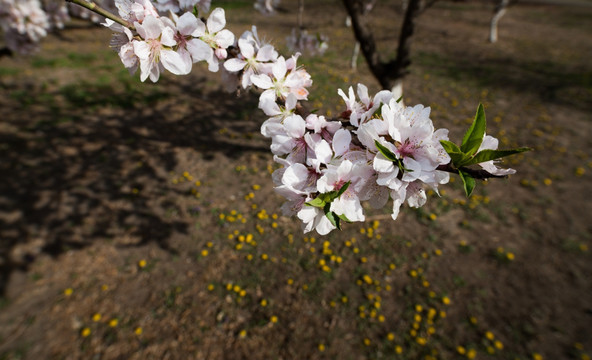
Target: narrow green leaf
x=450 y=147
x=343 y=217
x=474 y=136
x=468 y=182
x=335 y=221
x=342 y=190
x=385 y=151
x=399 y=99
x=486 y=155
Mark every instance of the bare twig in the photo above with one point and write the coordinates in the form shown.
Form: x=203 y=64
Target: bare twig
x=478 y=174
x=92 y=6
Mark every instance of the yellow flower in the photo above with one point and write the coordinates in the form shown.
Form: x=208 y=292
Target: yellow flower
x=138 y=331
x=321 y=347
x=242 y=333
x=421 y=341
x=210 y=287
x=68 y=291
x=471 y=354
x=263 y=303
x=85 y=332
x=390 y=336
x=96 y=317
x=142 y=263
x=204 y=253
x=113 y=322
x=274 y=319
x=537 y=356
x=461 y=350
x=398 y=349
x=446 y=300
x=367 y=342
x=489 y=335
x=498 y=344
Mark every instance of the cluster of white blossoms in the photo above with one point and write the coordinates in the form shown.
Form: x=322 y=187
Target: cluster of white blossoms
x=26 y=22
x=154 y=42
x=376 y=150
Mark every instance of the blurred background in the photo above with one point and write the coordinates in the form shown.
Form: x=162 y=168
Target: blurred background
x=139 y=221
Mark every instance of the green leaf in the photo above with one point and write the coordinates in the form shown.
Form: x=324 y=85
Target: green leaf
x=317 y=202
x=450 y=147
x=468 y=182
x=474 y=136
x=385 y=151
x=333 y=218
x=399 y=99
x=342 y=190
x=486 y=155
x=457 y=156
x=343 y=217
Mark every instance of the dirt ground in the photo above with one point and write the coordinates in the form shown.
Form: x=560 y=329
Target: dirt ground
x=138 y=221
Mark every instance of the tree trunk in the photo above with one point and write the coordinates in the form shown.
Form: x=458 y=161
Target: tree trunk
x=389 y=74
x=500 y=10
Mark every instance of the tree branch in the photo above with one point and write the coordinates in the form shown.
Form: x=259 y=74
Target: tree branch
x=92 y=6
x=478 y=174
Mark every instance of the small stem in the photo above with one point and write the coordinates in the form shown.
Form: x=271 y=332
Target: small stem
x=92 y=6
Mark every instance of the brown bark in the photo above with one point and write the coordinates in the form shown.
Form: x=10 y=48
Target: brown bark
x=386 y=72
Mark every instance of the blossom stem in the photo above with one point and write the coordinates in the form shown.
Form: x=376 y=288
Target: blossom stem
x=92 y=6
x=478 y=174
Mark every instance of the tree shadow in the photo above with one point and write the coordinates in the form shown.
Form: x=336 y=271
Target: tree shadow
x=89 y=162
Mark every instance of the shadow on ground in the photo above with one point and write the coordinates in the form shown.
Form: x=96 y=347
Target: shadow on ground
x=88 y=162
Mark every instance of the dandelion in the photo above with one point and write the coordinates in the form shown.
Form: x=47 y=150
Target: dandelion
x=537 y=356
x=321 y=347
x=273 y=319
x=242 y=333
x=96 y=317
x=471 y=354
x=446 y=300
x=398 y=349
x=113 y=323
x=263 y=303
x=498 y=345
x=421 y=341
x=461 y=350
x=210 y=287
x=138 y=331
x=510 y=256
x=367 y=342
x=85 y=332
x=104 y=287
x=489 y=335
x=204 y=253
x=68 y=291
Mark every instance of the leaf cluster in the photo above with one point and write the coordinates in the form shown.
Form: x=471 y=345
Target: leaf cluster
x=468 y=153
